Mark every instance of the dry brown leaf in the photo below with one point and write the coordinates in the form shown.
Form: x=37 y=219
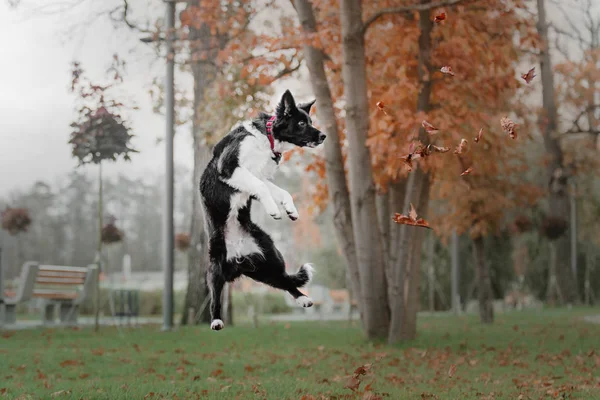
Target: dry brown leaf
x=462 y=147
x=528 y=77
x=447 y=70
x=509 y=127
x=479 y=135
x=439 y=18
x=353 y=383
x=452 y=370
x=429 y=128
x=467 y=171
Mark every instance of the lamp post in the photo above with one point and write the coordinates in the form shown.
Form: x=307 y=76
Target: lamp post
x=168 y=232
x=168 y=229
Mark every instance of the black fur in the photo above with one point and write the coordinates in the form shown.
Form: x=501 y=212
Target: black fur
x=293 y=125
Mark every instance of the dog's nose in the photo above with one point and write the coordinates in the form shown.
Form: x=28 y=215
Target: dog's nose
x=322 y=137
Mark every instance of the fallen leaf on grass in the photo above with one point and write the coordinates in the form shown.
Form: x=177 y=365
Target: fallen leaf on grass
x=452 y=370
x=529 y=75
x=149 y=395
x=137 y=347
x=353 y=383
x=70 y=363
x=196 y=378
x=371 y=396
x=509 y=127
x=98 y=352
x=60 y=393
x=447 y=70
x=429 y=128
x=410 y=219
x=467 y=171
x=8 y=334
x=216 y=372
x=3 y=390
x=363 y=369
x=439 y=18
x=83 y=376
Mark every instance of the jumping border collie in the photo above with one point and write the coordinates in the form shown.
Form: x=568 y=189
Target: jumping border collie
x=241 y=169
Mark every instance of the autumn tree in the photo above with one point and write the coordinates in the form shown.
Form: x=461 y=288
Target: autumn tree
x=392 y=53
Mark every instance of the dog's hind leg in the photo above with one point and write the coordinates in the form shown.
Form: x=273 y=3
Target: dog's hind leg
x=271 y=271
x=216 y=281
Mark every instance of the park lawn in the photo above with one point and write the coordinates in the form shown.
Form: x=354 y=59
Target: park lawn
x=549 y=354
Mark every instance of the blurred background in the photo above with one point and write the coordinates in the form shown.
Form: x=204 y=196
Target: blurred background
x=521 y=230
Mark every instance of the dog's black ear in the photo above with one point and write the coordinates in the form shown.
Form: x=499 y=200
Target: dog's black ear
x=306 y=106
x=286 y=105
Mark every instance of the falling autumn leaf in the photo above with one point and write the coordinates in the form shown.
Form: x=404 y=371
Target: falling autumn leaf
x=452 y=370
x=381 y=106
x=429 y=128
x=509 y=127
x=462 y=147
x=529 y=75
x=439 y=18
x=467 y=171
x=479 y=135
x=447 y=70
x=437 y=149
x=410 y=219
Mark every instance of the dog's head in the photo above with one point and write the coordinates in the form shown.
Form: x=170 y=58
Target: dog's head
x=293 y=124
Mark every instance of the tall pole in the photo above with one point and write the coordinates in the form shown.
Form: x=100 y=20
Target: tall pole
x=573 y=218
x=168 y=231
x=455 y=273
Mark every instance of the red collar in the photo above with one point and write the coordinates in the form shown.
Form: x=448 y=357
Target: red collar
x=276 y=154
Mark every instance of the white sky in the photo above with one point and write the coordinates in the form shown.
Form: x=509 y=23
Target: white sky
x=36 y=106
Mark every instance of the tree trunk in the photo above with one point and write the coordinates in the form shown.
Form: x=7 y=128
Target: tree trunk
x=413 y=259
x=407 y=262
x=484 y=283
x=197 y=290
x=98 y=253
x=336 y=178
x=362 y=186
x=557 y=176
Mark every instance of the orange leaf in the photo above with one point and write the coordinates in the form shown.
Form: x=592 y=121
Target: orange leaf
x=467 y=171
x=452 y=370
x=412 y=213
x=439 y=18
x=509 y=127
x=70 y=363
x=529 y=75
x=447 y=70
x=462 y=147
x=479 y=135
x=381 y=106
x=352 y=383
x=429 y=128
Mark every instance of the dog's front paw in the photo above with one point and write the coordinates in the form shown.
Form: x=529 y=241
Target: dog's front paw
x=304 y=301
x=293 y=214
x=217 y=325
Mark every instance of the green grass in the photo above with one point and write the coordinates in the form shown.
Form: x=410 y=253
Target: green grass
x=548 y=354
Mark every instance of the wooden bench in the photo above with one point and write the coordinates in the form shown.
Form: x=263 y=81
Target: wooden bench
x=63 y=286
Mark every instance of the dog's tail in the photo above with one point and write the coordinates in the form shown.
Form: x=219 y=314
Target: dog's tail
x=303 y=276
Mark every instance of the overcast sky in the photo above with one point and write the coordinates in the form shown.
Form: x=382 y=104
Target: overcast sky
x=36 y=107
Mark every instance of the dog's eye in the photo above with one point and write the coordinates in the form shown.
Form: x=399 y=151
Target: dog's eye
x=302 y=124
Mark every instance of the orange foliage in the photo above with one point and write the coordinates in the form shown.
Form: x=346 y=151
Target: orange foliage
x=478 y=43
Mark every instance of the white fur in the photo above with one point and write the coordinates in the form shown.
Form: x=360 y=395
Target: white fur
x=237 y=242
x=304 y=301
x=216 y=325
x=310 y=270
x=255 y=171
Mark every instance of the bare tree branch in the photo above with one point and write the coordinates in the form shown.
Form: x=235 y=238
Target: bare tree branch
x=576 y=128
x=405 y=9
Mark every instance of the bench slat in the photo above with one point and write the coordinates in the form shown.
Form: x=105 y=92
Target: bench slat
x=62 y=268
x=59 y=281
x=61 y=274
x=57 y=296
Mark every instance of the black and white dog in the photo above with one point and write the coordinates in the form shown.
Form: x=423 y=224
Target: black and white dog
x=241 y=169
